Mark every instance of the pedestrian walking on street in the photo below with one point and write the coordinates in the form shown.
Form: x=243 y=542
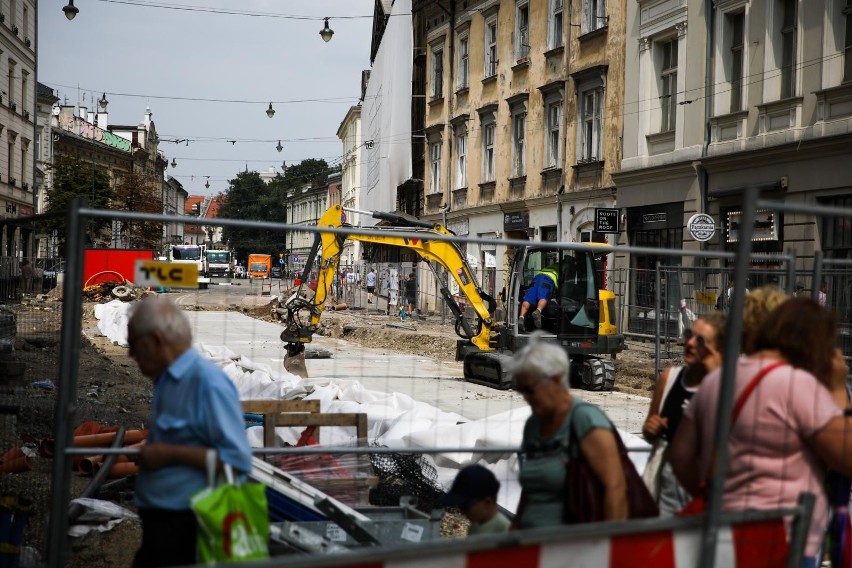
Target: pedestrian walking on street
x=195 y=411
x=371 y=285
x=27 y=275
x=392 y=285
x=791 y=393
x=702 y=353
x=541 y=377
x=410 y=293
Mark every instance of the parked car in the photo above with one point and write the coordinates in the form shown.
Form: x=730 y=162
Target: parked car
x=276 y=272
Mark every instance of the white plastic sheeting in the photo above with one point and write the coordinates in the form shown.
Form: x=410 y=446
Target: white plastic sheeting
x=394 y=419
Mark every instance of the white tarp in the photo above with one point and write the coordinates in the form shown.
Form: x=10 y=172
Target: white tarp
x=386 y=117
x=393 y=419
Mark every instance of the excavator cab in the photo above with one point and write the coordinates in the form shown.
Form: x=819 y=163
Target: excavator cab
x=573 y=310
x=577 y=318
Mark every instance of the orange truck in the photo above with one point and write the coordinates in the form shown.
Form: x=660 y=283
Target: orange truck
x=259 y=265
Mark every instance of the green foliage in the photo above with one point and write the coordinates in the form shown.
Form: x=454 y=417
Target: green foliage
x=142 y=193
x=251 y=199
x=73 y=179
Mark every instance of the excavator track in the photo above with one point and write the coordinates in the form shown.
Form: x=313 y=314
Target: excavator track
x=488 y=368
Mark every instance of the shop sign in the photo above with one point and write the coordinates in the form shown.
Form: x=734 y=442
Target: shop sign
x=654 y=217
x=516 y=221
x=701 y=227
x=764 y=229
x=607 y=220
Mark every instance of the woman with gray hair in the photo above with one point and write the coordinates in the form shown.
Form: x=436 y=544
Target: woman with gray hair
x=541 y=376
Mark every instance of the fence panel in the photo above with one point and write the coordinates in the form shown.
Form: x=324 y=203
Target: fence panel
x=416 y=402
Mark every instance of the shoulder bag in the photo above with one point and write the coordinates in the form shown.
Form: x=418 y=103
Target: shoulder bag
x=654 y=467
x=699 y=502
x=584 y=492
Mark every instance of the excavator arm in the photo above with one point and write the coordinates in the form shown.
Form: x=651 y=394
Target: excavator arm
x=304 y=314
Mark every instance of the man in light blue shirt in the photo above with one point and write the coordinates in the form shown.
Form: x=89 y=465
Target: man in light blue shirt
x=195 y=409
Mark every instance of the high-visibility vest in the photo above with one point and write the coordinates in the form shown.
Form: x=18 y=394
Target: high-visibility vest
x=551 y=272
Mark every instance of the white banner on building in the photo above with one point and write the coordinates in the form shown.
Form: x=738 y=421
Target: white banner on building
x=386 y=116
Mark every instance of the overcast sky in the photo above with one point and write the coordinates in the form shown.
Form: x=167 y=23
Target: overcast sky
x=161 y=55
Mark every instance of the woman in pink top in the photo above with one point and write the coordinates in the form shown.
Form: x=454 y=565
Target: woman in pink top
x=790 y=428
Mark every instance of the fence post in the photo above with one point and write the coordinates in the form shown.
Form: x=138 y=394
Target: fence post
x=657 y=309
x=791 y=271
x=69 y=362
x=709 y=530
x=816 y=280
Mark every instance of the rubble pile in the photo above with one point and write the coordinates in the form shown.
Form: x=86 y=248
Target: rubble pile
x=106 y=291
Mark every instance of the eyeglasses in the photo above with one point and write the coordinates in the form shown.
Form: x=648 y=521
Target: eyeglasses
x=699 y=339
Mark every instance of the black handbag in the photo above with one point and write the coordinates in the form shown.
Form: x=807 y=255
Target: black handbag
x=584 y=492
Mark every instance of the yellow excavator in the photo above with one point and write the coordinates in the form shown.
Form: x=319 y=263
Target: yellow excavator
x=579 y=317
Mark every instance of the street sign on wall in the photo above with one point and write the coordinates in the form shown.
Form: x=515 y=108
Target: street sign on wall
x=607 y=220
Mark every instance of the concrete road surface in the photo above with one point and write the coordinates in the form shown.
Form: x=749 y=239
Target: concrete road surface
x=435 y=382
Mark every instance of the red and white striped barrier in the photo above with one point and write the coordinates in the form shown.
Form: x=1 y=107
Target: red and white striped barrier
x=745 y=545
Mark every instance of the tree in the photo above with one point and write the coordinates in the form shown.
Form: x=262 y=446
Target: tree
x=249 y=198
x=142 y=193
x=311 y=172
x=73 y=179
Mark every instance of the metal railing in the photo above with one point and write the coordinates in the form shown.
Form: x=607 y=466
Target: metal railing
x=710 y=522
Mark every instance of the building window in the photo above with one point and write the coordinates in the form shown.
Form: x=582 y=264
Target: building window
x=491 y=48
x=438 y=73
x=595 y=15
x=847 y=46
x=464 y=58
x=461 y=160
x=488 y=131
x=11 y=159
x=554 y=39
x=554 y=133
x=589 y=149
x=522 y=32
x=519 y=133
x=11 y=89
x=788 y=48
x=24 y=87
x=435 y=167
x=735 y=25
x=668 y=84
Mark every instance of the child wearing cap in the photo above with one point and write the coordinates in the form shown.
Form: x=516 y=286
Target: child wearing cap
x=474 y=491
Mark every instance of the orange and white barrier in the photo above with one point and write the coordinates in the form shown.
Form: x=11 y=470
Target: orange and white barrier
x=760 y=544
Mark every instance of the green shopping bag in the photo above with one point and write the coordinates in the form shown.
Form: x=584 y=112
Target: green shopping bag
x=233 y=519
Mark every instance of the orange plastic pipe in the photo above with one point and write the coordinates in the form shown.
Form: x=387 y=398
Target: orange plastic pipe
x=12 y=454
x=123 y=469
x=89 y=465
x=16 y=465
x=96 y=440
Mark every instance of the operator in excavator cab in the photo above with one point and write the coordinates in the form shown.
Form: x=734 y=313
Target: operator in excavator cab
x=544 y=285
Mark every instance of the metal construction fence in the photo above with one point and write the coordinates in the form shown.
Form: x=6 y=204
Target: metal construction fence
x=425 y=401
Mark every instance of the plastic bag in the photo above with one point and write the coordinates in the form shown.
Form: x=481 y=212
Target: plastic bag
x=233 y=520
